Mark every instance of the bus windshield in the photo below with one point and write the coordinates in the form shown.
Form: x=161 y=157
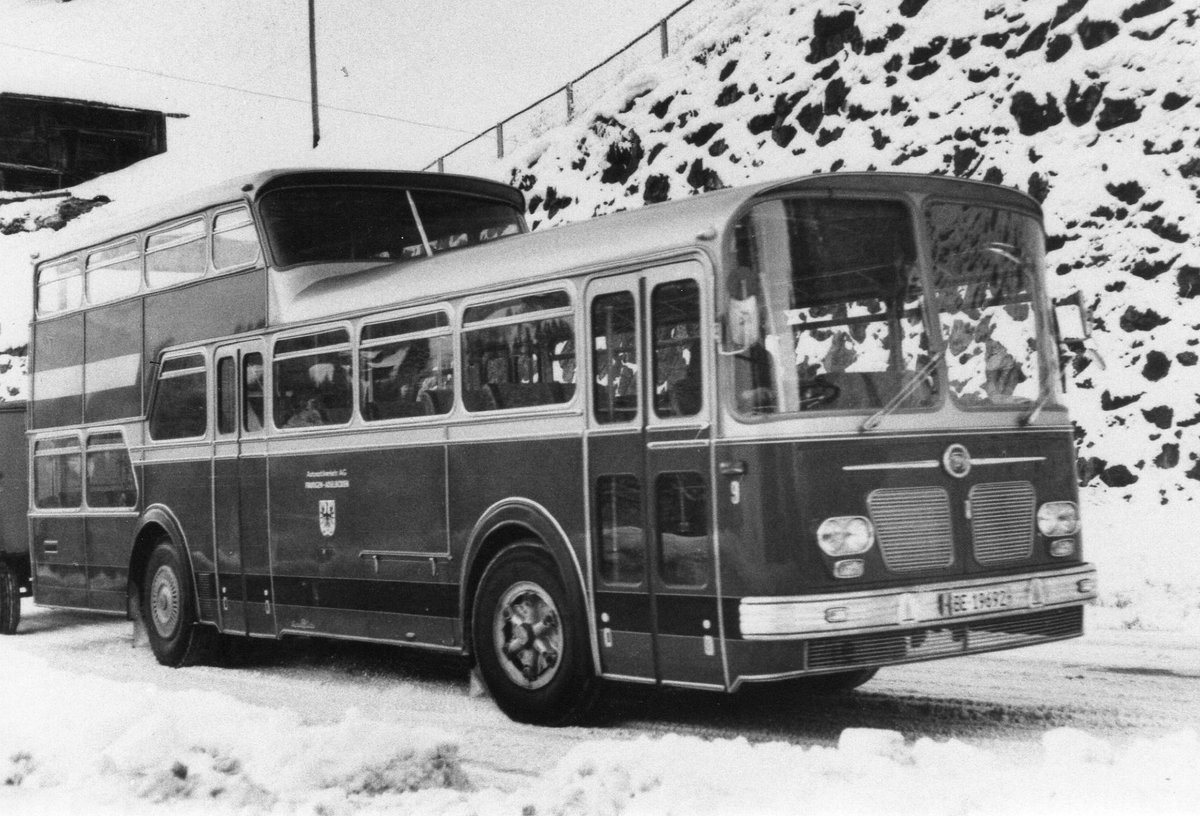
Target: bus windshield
x=308 y=225
x=825 y=308
x=985 y=263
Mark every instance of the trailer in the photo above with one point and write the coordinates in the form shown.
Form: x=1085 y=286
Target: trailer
x=15 y=576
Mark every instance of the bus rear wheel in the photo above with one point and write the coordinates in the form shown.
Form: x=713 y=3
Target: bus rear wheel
x=176 y=638
x=10 y=599
x=530 y=644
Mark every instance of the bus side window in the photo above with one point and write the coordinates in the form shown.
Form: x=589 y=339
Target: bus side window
x=181 y=404
x=57 y=473
x=615 y=363
x=683 y=540
x=110 y=480
x=226 y=396
x=678 y=386
x=406 y=367
x=252 y=392
x=312 y=380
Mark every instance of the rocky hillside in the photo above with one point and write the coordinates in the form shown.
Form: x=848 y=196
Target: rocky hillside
x=1091 y=106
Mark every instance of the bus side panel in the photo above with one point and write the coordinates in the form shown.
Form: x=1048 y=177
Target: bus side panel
x=232 y=304
x=185 y=489
x=545 y=471
x=113 y=367
x=60 y=561
x=108 y=543
x=57 y=367
x=359 y=545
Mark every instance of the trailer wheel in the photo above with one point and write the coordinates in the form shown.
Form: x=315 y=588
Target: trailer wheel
x=10 y=599
x=530 y=643
x=168 y=612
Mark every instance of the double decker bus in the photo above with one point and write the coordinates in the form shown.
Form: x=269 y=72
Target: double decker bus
x=805 y=428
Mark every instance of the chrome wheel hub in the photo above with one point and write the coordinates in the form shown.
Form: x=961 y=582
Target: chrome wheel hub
x=164 y=601
x=527 y=634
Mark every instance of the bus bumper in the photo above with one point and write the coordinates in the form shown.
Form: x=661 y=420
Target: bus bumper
x=777 y=618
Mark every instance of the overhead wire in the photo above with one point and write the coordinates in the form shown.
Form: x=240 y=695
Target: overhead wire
x=222 y=86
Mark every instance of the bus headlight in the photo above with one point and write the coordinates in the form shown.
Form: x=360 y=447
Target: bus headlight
x=845 y=535
x=1058 y=519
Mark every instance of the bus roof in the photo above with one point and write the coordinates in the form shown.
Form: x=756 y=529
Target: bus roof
x=621 y=238
x=105 y=226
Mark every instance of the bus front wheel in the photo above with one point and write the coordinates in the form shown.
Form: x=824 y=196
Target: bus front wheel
x=168 y=612
x=10 y=599
x=530 y=643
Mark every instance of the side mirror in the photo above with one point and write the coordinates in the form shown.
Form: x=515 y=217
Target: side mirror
x=1074 y=321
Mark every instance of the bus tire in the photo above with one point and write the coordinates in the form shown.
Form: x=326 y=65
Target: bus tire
x=531 y=643
x=10 y=599
x=176 y=638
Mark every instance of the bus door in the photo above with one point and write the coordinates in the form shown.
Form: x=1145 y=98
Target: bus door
x=656 y=602
x=240 y=493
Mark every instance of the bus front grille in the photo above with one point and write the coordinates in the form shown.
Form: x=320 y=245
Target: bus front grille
x=1002 y=521
x=945 y=641
x=913 y=527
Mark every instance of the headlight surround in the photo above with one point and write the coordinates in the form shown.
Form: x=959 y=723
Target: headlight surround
x=1056 y=519
x=845 y=535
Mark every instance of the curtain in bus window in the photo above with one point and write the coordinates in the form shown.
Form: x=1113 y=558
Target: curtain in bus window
x=176 y=254
x=675 y=317
x=109 y=473
x=985 y=264
x=406 y=378
x=181 y=403
x=234 y=240
x=823 y=307
x=312 y=376
x=614 y=358
x=57 y=473
x=683 y=540
x=114 y=273
x=517 y=358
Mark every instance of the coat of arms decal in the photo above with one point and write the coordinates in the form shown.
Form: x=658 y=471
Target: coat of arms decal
x=327 y=516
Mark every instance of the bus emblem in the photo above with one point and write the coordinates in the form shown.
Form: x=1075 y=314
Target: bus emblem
x=957 y=461
x=327 y=515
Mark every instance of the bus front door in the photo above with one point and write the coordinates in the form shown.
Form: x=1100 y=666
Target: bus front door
x=656 y=601
x=240 y=494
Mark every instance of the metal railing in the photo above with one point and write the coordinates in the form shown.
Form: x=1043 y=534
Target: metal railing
x=560 y=106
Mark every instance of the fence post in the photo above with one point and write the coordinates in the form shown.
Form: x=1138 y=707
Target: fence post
x=442 y=164
x=662 y=35
x=500 y=141
x=570 y=101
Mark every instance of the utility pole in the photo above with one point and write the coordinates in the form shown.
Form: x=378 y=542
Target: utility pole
x=312 y=68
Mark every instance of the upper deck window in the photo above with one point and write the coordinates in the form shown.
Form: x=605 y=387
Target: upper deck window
x=235 y=242
x=824 y=307
x=114 y=272
x=60 y=286
x=985 y=266
x=307 y=225
x=176 y=254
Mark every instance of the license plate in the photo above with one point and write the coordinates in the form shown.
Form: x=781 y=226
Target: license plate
x=952 y=604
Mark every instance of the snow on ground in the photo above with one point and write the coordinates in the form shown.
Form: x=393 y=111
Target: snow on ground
x=137 y=749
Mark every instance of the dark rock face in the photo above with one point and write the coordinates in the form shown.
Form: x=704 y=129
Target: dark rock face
x=1001 y=92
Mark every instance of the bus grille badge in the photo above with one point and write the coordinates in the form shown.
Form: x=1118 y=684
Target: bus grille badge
x=327 y=516
x=957 y=461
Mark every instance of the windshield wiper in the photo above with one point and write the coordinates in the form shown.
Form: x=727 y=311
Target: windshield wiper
x=906 y=390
